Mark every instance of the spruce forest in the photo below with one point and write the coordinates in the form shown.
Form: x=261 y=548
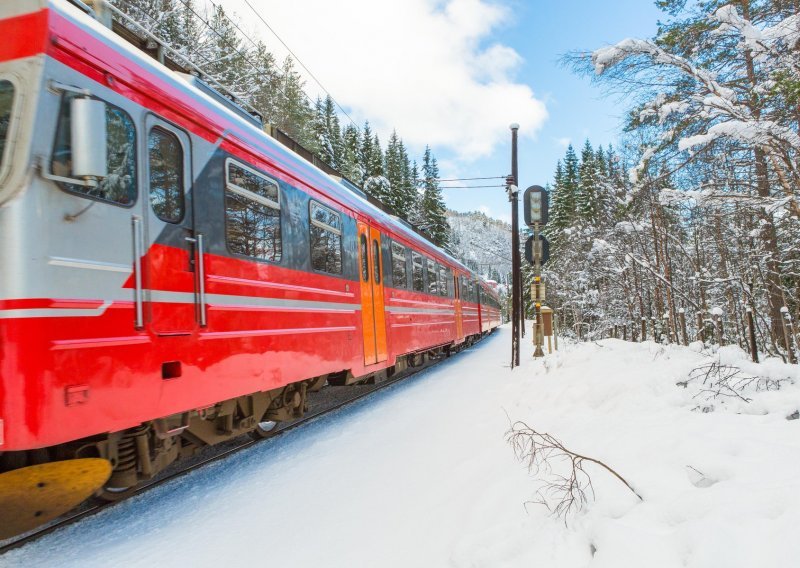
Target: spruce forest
x=228 y=55
x=690 y=229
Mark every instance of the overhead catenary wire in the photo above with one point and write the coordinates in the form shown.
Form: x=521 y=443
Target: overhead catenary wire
x=468 y=186
x=469 y=179
x=300 y=62
x=473 y=243
x=233 y=47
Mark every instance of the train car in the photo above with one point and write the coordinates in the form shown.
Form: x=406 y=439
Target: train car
x=173 y=277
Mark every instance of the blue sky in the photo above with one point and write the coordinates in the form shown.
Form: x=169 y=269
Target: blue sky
x=542 y=32
x=455 y=73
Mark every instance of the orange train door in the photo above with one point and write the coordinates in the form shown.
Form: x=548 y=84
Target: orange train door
x=459 y=321
x=372 y=304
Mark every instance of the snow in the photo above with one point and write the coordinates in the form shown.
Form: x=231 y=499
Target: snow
x=609 y=56
x=753 y=131
x=421 y=474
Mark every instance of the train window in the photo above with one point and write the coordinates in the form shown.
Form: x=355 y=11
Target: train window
x=6 y=100
x=442 y=279
x=326 y=239
x=399 y=272
x=417 y=277
x=119 y=186
x=433 y=277
x=464 y=289
x=376 y=260
x=165 y=156
x=252 y=213
x=364 y=259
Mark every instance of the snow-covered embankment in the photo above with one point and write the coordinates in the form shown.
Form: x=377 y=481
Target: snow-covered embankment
x=422 y=475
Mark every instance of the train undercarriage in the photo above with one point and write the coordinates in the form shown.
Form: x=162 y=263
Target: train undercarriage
x=39 y=485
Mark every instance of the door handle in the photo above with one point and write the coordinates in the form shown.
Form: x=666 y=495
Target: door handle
x=136 y=223
x=199 y=262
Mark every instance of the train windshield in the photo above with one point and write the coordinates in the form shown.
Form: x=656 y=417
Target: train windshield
x=6 y=100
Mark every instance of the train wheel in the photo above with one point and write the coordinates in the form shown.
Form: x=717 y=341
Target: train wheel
x=266 y=429
x=116 y=493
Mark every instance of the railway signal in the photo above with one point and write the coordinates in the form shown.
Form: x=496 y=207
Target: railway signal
x=540 y=249
x=537 y=251
x=536 y=204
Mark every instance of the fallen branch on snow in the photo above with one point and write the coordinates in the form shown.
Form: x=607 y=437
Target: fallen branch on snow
x=562 y=494
x=720 y=381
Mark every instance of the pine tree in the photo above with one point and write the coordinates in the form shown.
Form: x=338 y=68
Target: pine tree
x=351 y=162
x=407 y=193
x=327 y=132
x=365 y=149
x=567 y=190
x=227 y=61
x=560 y=212
x=393 y=167
x=376 y=183
x=588 y=198
x=294 y=115
x=434 y=212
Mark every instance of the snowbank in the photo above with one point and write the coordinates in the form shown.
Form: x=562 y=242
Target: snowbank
x=422 y=475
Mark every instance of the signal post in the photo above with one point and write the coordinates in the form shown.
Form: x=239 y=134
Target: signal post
x=537 y=252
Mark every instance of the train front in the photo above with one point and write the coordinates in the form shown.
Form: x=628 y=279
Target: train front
x=33 y=487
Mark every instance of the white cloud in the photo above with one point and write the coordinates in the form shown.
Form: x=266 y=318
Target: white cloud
x=430 y=68
x=563 y=142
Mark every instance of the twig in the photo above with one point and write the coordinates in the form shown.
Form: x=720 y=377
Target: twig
x=561 y=494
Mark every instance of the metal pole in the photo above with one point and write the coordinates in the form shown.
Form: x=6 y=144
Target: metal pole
x=538 y=334
x=515 y=260
x=521 y=302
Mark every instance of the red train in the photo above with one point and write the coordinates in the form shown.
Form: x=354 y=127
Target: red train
x=172 y=276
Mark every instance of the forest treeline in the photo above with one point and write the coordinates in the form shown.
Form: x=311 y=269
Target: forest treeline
x=230 y=55
x=694 y=217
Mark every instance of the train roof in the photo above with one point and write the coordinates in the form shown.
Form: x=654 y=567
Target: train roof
x=247 y=131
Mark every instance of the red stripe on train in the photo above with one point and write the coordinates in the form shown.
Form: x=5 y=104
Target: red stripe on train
x=23 y=36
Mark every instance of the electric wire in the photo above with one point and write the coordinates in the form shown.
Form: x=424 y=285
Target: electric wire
x=470 y=179
x=233 y=47
x=468 y=186
x=300 y=62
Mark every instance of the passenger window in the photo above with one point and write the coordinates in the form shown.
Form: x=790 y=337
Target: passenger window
x=442 y=280
x=119 y=186
x=399 y=272
x=165 y=156
x=6 y=102
x=364 y=259
x=433 y=277
x=418 y=280
x=326 y=239
x=376 y=260
x=252 y=213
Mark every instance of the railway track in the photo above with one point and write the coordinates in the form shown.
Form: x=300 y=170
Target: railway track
x=96 y=506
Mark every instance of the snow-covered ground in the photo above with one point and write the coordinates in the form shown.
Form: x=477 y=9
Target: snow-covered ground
x=421 y=475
